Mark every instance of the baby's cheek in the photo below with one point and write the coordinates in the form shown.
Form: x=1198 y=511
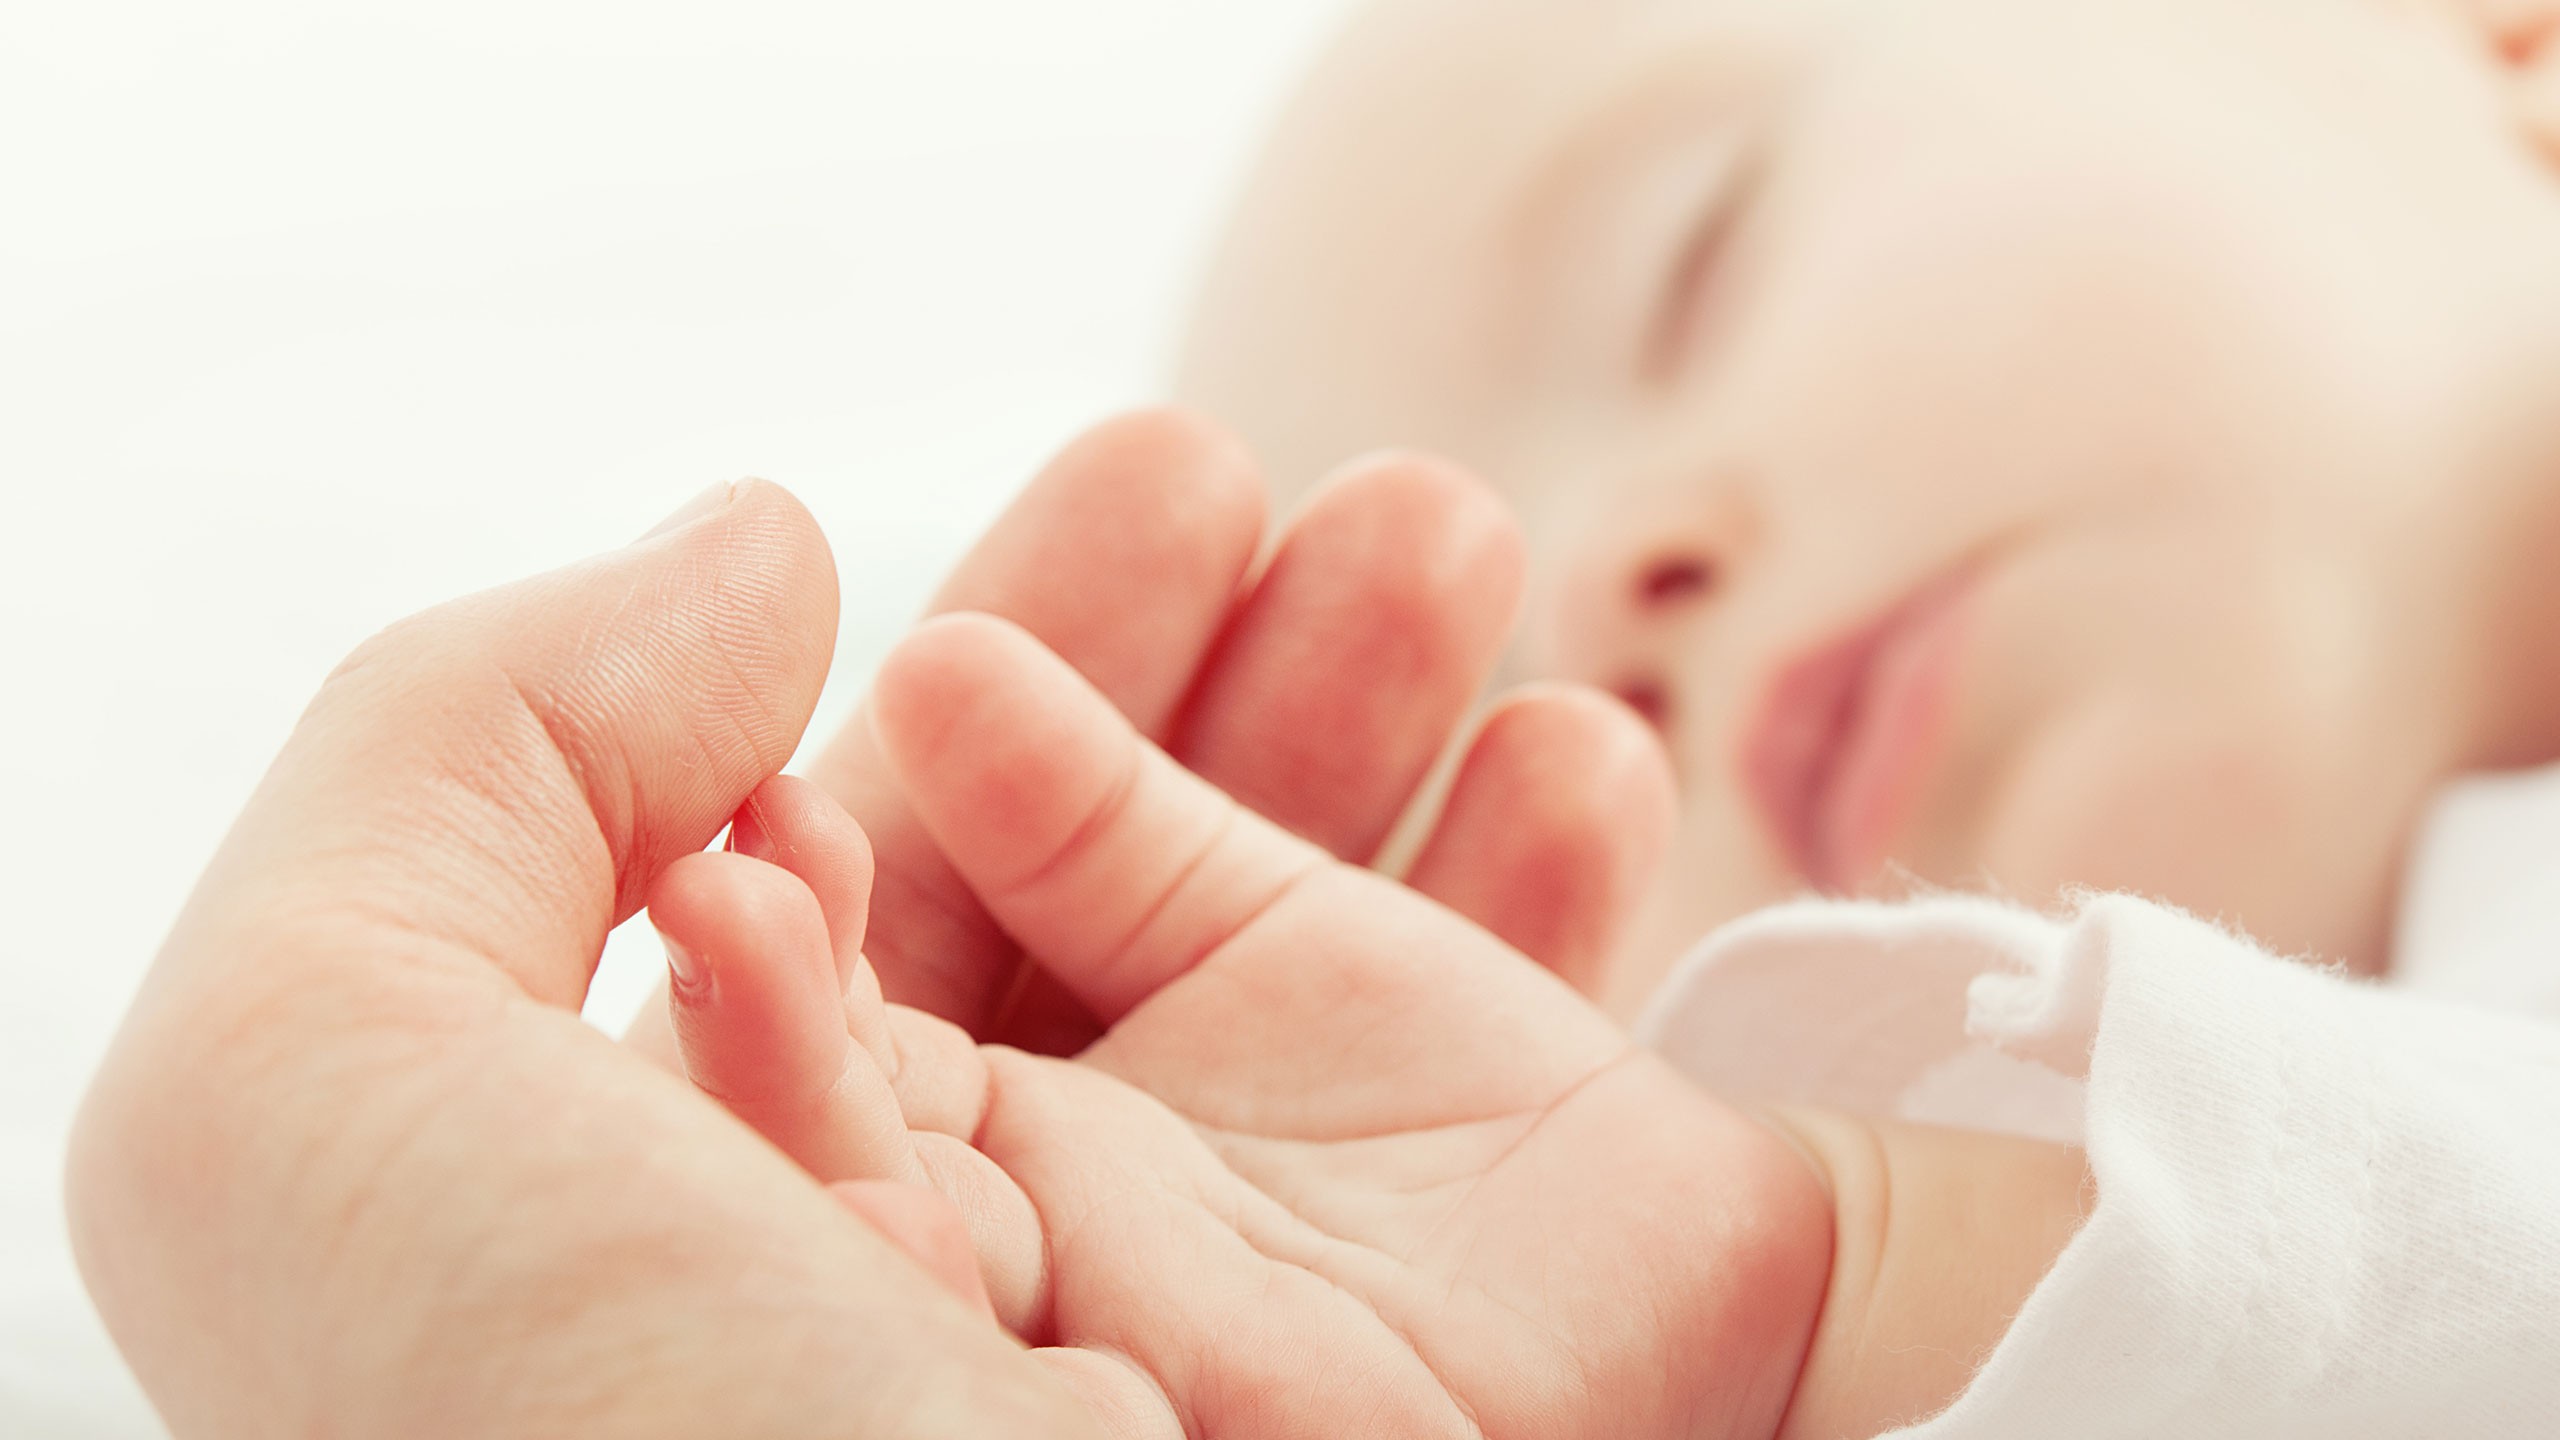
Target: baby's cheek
x=2230 y=813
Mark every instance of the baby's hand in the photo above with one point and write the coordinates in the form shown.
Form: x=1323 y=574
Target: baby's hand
x=1313 y=670
x=772 y=1032
x=1343 y=1164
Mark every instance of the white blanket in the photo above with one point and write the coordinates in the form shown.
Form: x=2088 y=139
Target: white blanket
x=2325 y=1208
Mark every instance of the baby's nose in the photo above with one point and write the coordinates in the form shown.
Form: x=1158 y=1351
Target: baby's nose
x=1628 y=600
x=1617 y=620
x=1658 y=593
x=1675 y=580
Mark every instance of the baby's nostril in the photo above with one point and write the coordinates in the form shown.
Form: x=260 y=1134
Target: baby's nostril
x=1673 y=579
x=1647 y=698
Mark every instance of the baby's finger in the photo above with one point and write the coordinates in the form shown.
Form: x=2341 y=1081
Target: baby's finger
x=943 y=1087
x=938 y=1073
x=1128 y=1404
x=1125 y=556
x=760 y=1021
x=1343 y=676
x=1001 y=1228
x=1560 y=815
x=1115 y=866
x=916 y=1219
x=1339 y=679
x=793 y=824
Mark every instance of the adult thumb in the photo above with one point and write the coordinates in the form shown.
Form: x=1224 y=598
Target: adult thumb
x=353 y=1166
x=497 y=779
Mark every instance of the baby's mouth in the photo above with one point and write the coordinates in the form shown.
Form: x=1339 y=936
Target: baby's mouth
x=1846 y=732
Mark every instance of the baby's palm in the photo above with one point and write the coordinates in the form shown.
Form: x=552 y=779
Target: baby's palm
x=1343 y=1165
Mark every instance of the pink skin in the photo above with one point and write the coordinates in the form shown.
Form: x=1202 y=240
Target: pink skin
x=2218 y=344
x=769 y=986
x=916 y=1219
x=343 y=1171
x=355 y=1166
x=753 y=1009
x=1339 y=1160
x=1331 y=684
x=1320 y=685
x=1319 y=1174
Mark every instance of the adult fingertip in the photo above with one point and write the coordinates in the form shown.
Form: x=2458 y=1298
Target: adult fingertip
x=760 y=528
x=779 y=560
x=708 y=502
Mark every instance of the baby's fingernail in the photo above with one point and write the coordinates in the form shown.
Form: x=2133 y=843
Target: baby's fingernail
x=684 y=968
x=746 y=833
x=708 y=502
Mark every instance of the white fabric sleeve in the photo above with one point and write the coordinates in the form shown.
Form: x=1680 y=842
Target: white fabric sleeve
x=2324 y=1208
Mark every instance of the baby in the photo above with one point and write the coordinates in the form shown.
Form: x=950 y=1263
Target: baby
x=1343 y=1164
x=1996 y=445
x=2000 y=443
x=2027 y=445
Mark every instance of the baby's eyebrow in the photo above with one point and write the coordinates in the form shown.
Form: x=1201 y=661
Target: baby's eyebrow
x=1675 y=314
x=1635 y=165
x=1655 y=83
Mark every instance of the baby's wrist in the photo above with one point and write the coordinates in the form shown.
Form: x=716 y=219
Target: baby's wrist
x=1939 y=1236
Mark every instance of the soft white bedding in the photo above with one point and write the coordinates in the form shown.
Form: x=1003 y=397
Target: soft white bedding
x=315 y=317
x=2322 y=1207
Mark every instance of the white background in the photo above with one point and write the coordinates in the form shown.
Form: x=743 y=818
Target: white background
x=311 y=317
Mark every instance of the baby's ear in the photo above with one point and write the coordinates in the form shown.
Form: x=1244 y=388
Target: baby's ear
x=2525 y=36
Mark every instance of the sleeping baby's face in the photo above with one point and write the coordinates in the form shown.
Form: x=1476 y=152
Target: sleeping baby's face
x=2005 y=443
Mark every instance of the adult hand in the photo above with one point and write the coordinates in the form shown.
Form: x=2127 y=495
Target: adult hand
x=354 y=1166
